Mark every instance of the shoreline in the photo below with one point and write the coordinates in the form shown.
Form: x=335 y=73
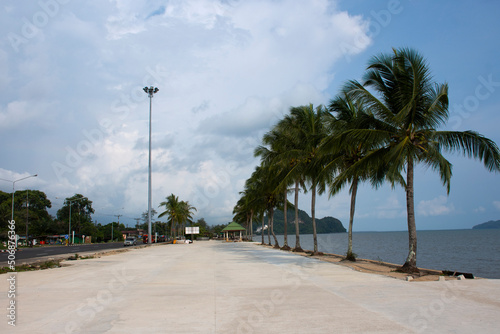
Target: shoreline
x=374 y=267
x=464 y=251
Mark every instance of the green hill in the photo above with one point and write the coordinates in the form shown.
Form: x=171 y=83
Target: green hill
x=323 y=225
x=488 y=225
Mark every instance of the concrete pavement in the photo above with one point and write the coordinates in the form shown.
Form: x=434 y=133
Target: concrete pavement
x=217 y=287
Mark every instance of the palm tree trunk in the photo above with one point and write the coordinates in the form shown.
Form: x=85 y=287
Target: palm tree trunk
x=251 y=225
x=262 y=231
x=247 y=224
x=410 y=265
x=354 y=189
x=276 y=244
x=269 y=220
x=285 y=228
x=296 y=202
x=313 y=207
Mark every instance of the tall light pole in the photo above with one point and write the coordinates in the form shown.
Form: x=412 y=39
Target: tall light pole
x=70 y=201
x=150 y=91
x=13 y=191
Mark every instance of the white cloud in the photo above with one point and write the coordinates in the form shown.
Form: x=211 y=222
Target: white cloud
x=227 y=70
x=19 y=113
x=480 y=209
x=496 y=204
x=438 y=206
x=391 y=208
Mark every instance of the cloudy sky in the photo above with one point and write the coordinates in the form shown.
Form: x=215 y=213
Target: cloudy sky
x=72 y=108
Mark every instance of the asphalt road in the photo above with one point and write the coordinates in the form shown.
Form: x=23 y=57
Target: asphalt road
x=25 y=255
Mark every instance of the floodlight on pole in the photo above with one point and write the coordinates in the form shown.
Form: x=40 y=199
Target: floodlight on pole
x=150 y=91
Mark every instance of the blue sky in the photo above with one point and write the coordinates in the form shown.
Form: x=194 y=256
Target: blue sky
x=73 y=111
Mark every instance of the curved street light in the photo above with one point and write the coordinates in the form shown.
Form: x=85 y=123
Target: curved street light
x=13 y=191
x=150 y=91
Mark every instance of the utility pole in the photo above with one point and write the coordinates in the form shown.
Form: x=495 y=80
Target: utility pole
x=118 y=216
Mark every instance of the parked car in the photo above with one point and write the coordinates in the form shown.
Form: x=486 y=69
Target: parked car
x=130 y=241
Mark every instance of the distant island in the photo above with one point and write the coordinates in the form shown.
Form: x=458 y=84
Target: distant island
x=488 y=225
x=323 y=225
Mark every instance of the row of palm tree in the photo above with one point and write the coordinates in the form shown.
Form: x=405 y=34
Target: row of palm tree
x=178 y=213
x=375 y=131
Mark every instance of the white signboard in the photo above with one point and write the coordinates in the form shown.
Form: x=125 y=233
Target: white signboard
x=193 y=230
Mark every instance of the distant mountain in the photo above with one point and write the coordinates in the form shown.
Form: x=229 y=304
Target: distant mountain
x=488 y=225
x=323 y=225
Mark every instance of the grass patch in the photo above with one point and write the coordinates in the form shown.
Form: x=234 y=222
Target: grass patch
x=31 y=267
x=79 y=257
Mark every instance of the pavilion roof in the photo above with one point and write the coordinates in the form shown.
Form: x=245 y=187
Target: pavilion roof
x=233 y=227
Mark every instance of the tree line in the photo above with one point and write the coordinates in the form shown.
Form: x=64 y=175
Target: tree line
x=373 y=131
x=33 y=219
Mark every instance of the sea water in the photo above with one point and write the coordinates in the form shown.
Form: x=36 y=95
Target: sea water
x=471 y=251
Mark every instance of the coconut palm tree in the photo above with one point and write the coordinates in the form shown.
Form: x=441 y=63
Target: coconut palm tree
x=288 y=150
x=265 y=196
x=275 y=144
x=245 y=207
x=243 y=210
x=253 y=198
x=172 y=209
x=185 y=214
x=179 y=212
x=314 y=132
x=409 y=107
x=306 y=125
x=285 y=136
x=347 y=114
x=275 y=157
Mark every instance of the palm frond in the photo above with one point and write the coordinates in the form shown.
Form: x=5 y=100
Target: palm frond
x=472 y=144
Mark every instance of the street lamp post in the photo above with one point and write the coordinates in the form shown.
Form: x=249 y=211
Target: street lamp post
x=13 y=191
x=70 y=204
x=150 y=91
x=27 y=215
x=70 y=201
